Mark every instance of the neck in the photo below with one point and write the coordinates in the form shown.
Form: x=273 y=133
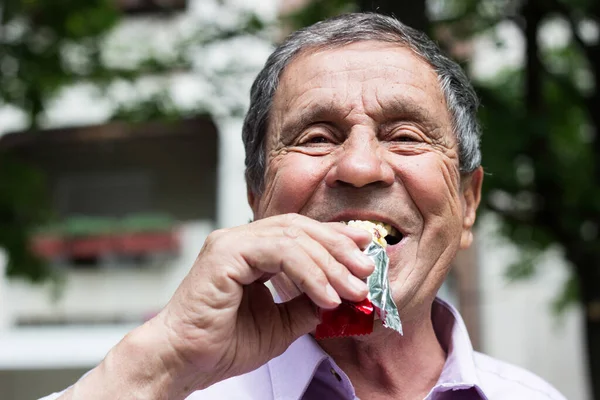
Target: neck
x=385 y=364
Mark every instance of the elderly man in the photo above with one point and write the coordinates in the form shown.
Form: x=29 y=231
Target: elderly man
x=356 y=117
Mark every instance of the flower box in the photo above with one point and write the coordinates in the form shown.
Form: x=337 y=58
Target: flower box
x=88 y=246
x=146 y=243
x=48 y=246
x=96 y=237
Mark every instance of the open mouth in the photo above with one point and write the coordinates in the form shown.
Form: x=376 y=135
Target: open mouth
x=390 y=234
x=393 y=237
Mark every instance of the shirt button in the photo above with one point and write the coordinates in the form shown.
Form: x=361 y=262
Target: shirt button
x=334 y=373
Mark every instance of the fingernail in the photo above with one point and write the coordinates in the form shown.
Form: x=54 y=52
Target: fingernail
x=357 y=284
x=362 y=259
x=333 y=294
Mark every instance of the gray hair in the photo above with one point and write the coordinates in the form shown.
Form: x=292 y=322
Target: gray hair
x=336 y=32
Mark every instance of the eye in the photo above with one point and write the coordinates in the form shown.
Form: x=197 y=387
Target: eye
x=405 y=136
x=318 y=140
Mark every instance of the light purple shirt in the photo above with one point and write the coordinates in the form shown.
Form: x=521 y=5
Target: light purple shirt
x=305 y=371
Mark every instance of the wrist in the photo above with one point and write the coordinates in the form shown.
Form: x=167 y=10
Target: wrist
x=141 y=366
x=150 y=364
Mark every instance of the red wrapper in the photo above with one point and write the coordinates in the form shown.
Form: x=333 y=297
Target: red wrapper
x=349 y=319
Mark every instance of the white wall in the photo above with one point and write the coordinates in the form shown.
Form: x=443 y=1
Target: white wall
x=233 y=209
x=130 y=295
x=109 y=293
x=517 y=323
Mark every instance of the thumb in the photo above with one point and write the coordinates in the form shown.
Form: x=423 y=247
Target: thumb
x=301 y=316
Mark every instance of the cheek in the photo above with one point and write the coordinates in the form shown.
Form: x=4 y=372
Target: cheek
x=291 y=180
x=432 y=183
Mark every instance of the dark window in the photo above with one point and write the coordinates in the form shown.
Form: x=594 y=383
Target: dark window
x=115 y=193
x=119 y=190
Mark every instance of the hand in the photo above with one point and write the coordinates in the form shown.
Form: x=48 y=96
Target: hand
x=222 y=320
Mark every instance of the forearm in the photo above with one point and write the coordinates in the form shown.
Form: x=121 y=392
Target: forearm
x=139 y=367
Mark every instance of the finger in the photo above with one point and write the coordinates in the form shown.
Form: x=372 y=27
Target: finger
x=299 y=317
x=341 y=279
x=338 y=241
x=284 y=254
x=360 y=236
x=341 y=241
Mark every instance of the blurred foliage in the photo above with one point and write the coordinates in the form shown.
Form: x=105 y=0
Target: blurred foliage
x=541 y=148
x=33 y=36
x=23 y=204
x=316 y=10
x=49 y=46
x=159 y=106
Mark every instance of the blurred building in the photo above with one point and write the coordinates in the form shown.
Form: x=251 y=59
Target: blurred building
x=135 y=203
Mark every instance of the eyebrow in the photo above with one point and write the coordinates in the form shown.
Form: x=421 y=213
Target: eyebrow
x=401 y=108
x=318 y=111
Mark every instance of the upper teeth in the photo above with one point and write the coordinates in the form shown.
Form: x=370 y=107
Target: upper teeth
x=389 y=228
x=379 y=229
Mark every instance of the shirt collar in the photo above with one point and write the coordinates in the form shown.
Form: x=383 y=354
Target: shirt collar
x=292 y=372
x=459 y=370
x=452 y=334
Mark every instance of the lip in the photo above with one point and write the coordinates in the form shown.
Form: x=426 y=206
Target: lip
x=349 y=215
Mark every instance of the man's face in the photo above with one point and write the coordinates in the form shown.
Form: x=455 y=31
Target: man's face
x=363 y=132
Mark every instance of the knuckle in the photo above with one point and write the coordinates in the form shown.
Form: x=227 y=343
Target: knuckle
x=302 y=283
x=292 y=231
x=285 y=244
x=292 y=219
x=216 y=234
x=313 y=279
x=332 y=266
x=339 y=241
x=320 y=279
x=214 y=238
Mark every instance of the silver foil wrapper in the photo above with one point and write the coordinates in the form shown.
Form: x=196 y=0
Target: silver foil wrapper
x=379 y=288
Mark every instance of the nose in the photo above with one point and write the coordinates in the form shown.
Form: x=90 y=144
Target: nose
x=359 y=164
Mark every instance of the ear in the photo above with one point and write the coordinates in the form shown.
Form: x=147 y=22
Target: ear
x=471 y=196
x=252 y=200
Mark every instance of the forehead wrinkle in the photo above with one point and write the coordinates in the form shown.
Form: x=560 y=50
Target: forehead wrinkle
x=333 y=82
x=406 y=106
x=400 y=106
x=316 y=111
x=312 y=105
